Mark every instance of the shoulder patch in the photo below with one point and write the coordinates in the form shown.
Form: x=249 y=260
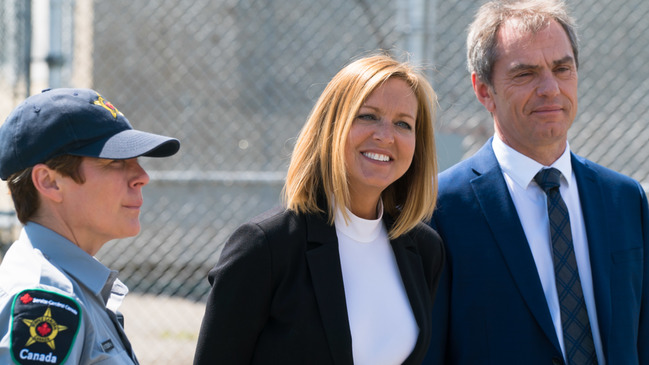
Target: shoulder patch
x=44 y=325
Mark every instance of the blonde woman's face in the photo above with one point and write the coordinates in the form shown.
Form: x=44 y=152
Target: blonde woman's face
x=381 y=141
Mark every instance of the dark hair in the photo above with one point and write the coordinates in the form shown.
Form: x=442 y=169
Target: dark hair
x=22 y=189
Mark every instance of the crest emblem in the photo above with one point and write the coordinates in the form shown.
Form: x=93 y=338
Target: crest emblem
x=107 y=105
x=44 y=329
x=44 y=326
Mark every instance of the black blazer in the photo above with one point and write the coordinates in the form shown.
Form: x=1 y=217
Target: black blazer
x=278 y=298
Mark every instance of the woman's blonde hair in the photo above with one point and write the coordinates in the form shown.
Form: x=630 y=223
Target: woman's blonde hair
x=317 y=168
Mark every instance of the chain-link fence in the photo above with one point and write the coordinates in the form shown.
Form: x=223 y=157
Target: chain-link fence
x=15 y=42
x=235 y=80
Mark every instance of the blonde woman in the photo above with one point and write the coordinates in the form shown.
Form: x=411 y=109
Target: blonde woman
x=345 y=272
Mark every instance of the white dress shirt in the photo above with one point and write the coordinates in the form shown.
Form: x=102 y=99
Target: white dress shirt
x=531 y=205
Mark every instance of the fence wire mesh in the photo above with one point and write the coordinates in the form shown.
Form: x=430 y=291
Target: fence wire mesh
x=235 y=80
x=15 y=43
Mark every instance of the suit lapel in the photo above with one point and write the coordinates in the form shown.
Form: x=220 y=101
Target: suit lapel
x=326 y=275
x=599 y=239
x=413 y=278
x=498 y=208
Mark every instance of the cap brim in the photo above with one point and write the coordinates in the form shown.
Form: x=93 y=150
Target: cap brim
x=130 y=143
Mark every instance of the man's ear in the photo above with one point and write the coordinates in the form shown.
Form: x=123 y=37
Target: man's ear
x=483 y=92
x=46 y=182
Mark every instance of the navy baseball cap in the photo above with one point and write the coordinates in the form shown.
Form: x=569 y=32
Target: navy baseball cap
x=76 y=122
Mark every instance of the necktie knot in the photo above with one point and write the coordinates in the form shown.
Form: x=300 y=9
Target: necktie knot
x=548 y=179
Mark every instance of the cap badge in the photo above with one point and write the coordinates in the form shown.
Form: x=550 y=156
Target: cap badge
x=108 y=106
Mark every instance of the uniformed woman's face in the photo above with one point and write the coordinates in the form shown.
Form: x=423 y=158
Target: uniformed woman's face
x=107 y=205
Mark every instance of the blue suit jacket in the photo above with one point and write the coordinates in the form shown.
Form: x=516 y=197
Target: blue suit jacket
x=490 y=307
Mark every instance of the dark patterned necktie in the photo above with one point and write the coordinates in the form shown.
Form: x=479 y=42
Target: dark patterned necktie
x=577 y=335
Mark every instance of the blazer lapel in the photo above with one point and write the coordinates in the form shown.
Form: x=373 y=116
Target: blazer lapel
x=413 y=279
x=498 y=208
x=326 y=275
x=599 y=238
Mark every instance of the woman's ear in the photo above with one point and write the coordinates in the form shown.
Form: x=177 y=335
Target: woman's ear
x=46 y=182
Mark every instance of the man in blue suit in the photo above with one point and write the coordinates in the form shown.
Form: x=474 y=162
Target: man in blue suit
x=500 y=300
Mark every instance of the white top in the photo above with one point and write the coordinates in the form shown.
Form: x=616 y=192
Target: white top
x=383 y=327
x=531 y=205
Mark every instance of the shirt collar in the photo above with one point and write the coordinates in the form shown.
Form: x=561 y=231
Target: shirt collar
x=70 y=257
x=522 y=169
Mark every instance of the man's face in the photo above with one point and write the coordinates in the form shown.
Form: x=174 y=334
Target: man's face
x=534 y=95
x=107 y=205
